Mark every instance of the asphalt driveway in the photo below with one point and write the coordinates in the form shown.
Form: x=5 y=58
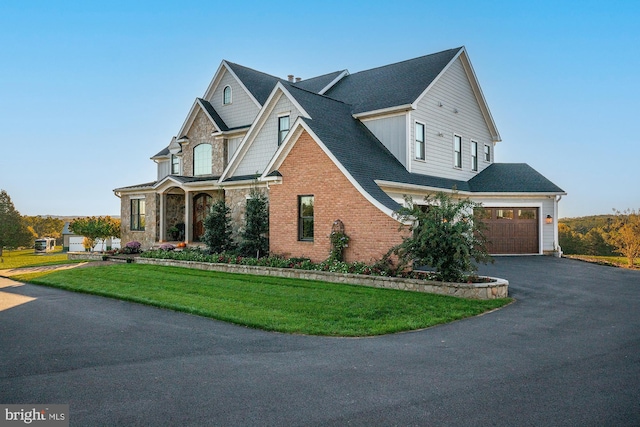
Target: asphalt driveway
x=567 y=352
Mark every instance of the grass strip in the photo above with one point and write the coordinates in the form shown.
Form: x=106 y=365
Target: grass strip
x=28 y=258
x=270 y=303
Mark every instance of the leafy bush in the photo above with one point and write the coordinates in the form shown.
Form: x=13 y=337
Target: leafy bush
x=446 y=236
x=380 y=268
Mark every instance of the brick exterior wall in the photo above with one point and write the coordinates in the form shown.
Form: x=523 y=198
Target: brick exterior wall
x=308 y=171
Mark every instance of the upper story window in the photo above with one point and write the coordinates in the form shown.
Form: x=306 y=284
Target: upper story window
x=487 y=153
x=202 y=160
x=283 y=128
x=226 y=95
x=175 y=165
x=457 y=151
x=474 y=156
x=305 y=218
x=420 y=142
x=137 y=214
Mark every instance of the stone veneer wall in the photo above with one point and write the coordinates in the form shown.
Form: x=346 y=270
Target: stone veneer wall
x=200 y=133
x=236 y=200
x=174 y=211
x=308 y=171
x=147 y=237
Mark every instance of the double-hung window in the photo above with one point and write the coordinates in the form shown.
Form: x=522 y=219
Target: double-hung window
x=487 y=153
x=474 y=156
x=457 y=148
x=137 y=214
x=283 y=128
x=305 y=218
x=175 y=165
x=420 y=142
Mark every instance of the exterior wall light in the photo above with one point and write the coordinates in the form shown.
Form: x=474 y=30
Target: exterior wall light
x=549 y=219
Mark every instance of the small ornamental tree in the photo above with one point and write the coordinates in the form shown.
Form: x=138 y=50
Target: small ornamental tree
x=255 y=241
x=446 y=236
x=624 y=234
x=93 y=228
x=13 y=229
x=217 y=225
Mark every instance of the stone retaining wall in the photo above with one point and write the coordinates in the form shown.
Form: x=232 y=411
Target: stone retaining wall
x=492 y=290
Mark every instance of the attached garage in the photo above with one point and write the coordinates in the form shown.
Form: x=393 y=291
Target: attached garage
x=512 y=230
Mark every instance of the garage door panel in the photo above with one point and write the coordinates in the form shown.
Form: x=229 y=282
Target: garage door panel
x=511 y=230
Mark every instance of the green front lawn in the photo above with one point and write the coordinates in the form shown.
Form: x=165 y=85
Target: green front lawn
x=28 y=258
x=269 y=303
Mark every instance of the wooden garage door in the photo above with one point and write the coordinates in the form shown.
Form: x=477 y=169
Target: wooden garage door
x=511 y=230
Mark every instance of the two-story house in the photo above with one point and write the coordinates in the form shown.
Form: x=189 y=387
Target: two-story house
x=341 y=146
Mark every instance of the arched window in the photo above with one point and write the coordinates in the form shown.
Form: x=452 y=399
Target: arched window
x=202 y=160
x=226 y=95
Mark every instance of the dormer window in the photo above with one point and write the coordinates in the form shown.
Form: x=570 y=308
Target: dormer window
x=226 y=95
x=283 y=128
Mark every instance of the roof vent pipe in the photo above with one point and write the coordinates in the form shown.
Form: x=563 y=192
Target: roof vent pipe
x=290 y=77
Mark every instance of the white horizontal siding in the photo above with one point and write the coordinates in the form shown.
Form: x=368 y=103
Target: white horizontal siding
x=232 y=146
x=164 y=168
x=454 y=91
x=392 y=132
x=242 y=110
x=265 y=143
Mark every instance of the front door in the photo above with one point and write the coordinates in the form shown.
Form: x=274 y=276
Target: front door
x=201 y=205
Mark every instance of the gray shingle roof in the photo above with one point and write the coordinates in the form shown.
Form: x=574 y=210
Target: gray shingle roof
x=214 y=115
x=512 y=178
x=391 y=85
x=258 y=83
x=316 y=84
x=368 y=160
x=163 y=153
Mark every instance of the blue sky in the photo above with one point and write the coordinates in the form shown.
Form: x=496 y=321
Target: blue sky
x=89 y=91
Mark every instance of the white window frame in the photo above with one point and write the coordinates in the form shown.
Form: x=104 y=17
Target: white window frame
x=487 y=152
x=474 y=156
x=224 y=95
x=195 y=159
x=282 y=136
x=424 y=141
x=457 y=154
x=172 y=172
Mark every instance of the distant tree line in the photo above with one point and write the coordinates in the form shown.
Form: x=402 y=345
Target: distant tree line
x=602 y=235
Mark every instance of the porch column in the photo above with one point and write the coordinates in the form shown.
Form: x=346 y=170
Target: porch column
x=162 y=219
x=188 y=217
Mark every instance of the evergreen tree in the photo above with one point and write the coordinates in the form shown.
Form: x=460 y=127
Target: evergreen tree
x=255 y=242
x=13 y=230
x=217 y=225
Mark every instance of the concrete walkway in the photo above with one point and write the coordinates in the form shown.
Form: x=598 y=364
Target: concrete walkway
x=566 y=353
